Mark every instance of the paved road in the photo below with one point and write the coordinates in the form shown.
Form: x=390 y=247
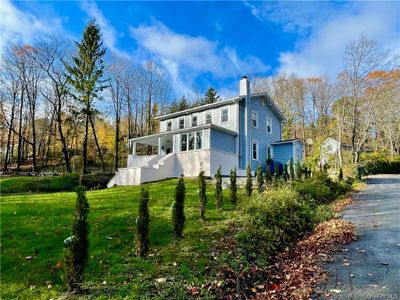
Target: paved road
x=374 y=259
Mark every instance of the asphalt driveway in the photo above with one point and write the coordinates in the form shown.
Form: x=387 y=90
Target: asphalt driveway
x=369 y=268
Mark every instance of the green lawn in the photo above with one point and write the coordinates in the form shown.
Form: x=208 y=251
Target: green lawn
x=36 y=224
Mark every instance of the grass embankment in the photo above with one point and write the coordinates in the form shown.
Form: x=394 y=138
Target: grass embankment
x=34 y=226
x=47 y=184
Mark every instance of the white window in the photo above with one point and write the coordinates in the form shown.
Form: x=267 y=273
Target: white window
x=269 y=126
x=208 y=118
x=224 y=115
x=192 y=141
x=194 y=120
x=181 y=123
x=169 y=126
x=269 y=152
x=254 y=119
x=199 y=140
x=255 y=150
x=183 y=142
x=262 y=102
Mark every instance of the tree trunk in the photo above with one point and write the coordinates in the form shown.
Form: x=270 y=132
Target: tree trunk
x=19 y=149
x=116 y=146
x=63 y=143
x=9 y=137
x=85 y=141
x=97 y=144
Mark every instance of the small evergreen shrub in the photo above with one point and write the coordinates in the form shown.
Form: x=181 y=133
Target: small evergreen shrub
x=178 y=211
x=268 y=176
x=202 y=194
x=249 y=182
x=260 y=179
x=340 y=176
x=76 y=246
x=298 y=170
x=291 y=169
x=233 y=187
x=143 y=222
x=218 y=189
x=276 y=172
x=285 y=172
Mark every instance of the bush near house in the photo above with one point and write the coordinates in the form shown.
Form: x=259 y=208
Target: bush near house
x=383 y=166
x=273 y=220
x=46 y=184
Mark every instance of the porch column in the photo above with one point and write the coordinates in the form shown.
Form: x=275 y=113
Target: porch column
x=159 y=146
x=134 y=148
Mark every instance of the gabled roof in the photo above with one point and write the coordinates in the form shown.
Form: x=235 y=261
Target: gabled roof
x=290 y=141
x=233 y=100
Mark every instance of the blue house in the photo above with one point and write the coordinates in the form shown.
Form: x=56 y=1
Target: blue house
x=233 y=133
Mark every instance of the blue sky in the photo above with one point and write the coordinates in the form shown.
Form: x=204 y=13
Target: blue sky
x=214 y=43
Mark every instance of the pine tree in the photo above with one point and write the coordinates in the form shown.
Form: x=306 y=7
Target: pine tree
x=268 y=176
x=76 y=246
x=285 y=172
x=211 y=96
x=306 y=172
x=298 y=170
x=249 y=182
x=340 y=176
x=84 y=76
x=218 y=188
x=143 y=221
x=202 y=194
x=276 y=172
x=233 y=186
x=178 y=211
x=291 y=169
x=260 y=179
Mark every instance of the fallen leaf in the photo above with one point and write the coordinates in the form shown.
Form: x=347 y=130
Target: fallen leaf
x=161 y=280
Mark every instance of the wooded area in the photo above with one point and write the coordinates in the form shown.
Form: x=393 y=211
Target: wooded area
x=72 y=107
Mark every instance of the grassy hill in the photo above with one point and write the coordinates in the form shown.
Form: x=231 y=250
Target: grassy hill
x=33 y=227
x=236 y=241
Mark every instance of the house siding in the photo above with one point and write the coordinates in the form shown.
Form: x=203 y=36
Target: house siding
x=260 y=133
x=223 y=141
x=283 y=153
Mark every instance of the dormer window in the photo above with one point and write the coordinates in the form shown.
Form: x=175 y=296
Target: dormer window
x=224 y=115
x=208 y=118
x=194 y=120
x=169 y=126
x=181 y=123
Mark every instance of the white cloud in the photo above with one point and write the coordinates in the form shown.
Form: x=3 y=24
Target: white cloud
x=186 y=57
x=22 y=27
x=324 y=30
x=109 y=33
